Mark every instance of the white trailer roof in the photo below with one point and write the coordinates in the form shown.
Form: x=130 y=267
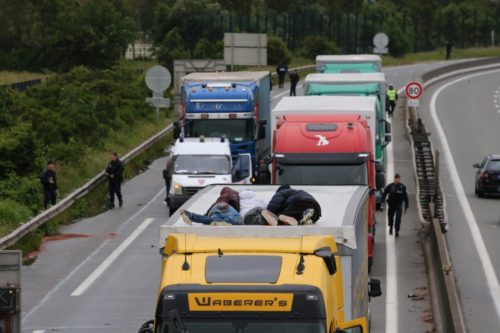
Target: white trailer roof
x=325 y=104
x=364 y=106
x=340 y=206
x=348 y=59
x=344 y=78
x=225 y=77
x=193 y=146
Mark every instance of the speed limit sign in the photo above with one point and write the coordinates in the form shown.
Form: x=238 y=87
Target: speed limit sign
x=414 y=90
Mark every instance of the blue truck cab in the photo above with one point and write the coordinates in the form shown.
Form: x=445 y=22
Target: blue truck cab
x=235 y=105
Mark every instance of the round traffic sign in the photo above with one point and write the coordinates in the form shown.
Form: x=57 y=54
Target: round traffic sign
x=381 y=40
x=414 y=90
x=158 y=78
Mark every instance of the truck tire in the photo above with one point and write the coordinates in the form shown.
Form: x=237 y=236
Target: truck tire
x=171 y=211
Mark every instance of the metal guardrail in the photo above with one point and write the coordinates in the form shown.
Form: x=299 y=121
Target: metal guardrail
x=298 y=69
x=447 y=309
x=71 y=198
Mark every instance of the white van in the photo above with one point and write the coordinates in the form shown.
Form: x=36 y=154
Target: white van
x=198 y=162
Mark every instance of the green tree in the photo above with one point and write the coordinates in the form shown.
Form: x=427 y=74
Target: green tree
x=277 y=51
x=172 y=47
x=314 y=45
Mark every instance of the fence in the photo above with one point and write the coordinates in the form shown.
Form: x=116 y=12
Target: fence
x=353 y=33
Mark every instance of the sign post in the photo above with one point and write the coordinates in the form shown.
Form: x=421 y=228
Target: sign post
x=414 y=91
x=158 y=79
x=381 y=41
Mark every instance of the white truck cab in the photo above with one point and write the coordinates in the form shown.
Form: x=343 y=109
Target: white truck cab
x=198 y=162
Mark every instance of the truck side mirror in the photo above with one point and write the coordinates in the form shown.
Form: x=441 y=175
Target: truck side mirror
x=374 y=288
x=379 y=175
x=242 y=168
x=329 y=258
x=476 y=165
x=176 y=130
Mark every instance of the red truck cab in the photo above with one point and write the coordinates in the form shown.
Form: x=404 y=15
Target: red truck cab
x=325 y=150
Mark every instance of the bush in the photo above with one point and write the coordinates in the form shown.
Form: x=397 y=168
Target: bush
x=11 y=213
x=315 y=45
x=399 y=42
x=172 y=47
x=277 y=52
x=206 y=49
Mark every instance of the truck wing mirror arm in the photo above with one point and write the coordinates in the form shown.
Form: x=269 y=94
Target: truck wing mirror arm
x=329 y=258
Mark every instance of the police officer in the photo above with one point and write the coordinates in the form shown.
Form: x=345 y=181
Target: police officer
x=114 y=172
x=392 y=97
x=282 y=69
x=49 y=183
x=294 y=79
x=167 y=175
x=397 y=195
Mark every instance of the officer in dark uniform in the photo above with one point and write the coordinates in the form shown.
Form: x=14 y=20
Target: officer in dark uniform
x=397 y=195
x=114 y=172
x=294 y=79
x=282 y=69
x=167 y=175
x=49 y=183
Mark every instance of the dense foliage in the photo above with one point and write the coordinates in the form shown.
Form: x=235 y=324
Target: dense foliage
x=60 y=34
x=65 y=119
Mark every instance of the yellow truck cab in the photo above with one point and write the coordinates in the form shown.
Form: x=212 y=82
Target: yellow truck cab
x=260 y=279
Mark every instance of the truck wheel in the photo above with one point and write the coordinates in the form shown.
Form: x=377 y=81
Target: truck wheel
x=171 y=211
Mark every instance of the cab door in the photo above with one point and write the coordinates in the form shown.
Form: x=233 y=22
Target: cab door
x=242 y=169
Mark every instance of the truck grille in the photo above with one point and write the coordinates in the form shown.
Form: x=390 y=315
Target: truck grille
x=191 y=190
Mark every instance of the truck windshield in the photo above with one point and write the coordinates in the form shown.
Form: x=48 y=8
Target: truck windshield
x=236 y=130
x=202 y=164
x=248 y=326
x=322 y=174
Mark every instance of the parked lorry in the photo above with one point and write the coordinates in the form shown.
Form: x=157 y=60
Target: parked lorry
x=198 y=162
x=235 y=104
x=349 y=63
x=370 y=84
x=260 y=279
x=327 y=140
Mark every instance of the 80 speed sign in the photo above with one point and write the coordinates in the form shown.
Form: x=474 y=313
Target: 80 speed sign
x=414 y=90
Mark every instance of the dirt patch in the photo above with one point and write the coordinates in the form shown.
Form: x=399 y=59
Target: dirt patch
x=31 y=257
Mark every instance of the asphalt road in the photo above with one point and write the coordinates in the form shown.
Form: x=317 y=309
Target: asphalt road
x=468 y=110
x=102 y=274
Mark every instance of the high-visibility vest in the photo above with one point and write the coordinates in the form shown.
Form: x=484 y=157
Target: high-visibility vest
x=391 y=94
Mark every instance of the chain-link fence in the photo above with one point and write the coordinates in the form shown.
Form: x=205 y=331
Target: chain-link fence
x=353 y=33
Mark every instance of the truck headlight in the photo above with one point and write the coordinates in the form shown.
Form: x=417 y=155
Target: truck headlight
x=176 y=188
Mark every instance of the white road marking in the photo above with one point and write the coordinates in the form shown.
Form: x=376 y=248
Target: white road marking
x=484 y=257
x=111 y=258
x=39 y=331
x=391 y=285
x=86 y=260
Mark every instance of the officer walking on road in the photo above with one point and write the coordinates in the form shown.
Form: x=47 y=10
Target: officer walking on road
x=294 y=79
x=114 y=172
x=49 y=183
x=397 y=195
x=392 y=97
x=282 y=69
x=167 y=175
